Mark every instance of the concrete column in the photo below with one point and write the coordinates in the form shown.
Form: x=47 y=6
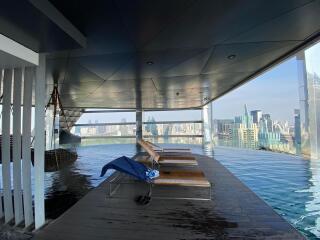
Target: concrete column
x=49 y=129
x=1 y=82
x=6 y=171
x=207 y=124
x=39 y=144
x=26 y=143
x=16 y=147
x=139 y=123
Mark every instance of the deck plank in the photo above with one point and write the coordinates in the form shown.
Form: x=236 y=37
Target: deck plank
x=234 y=212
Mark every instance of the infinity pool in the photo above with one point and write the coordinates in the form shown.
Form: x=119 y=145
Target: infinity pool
x=288 y=183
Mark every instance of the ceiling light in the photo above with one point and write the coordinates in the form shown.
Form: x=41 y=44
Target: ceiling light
x=232 y=56
x=149 y=62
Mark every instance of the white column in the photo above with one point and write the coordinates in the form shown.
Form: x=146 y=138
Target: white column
x=16 y=152
x=6 y=172
x=49 y=129
x=26 y=145
x=206 y=123
x=39 y=144
x=1 y=78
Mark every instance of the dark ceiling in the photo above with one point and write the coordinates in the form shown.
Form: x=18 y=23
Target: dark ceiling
x=164 y=53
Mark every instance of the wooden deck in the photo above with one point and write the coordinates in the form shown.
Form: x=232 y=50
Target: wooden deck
x=234 y=212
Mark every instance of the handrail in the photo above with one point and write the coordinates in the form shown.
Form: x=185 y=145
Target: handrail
x=133 y=123
x=145 y=136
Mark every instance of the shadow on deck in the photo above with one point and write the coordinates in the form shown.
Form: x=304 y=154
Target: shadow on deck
x=234 y=212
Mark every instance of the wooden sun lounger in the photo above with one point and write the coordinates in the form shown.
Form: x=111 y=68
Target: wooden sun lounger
x=171 y=150
x=182 y=178
x=174 y=172
x=168 y=160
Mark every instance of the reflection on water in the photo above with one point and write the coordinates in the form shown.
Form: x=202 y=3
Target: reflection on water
x=67 y=186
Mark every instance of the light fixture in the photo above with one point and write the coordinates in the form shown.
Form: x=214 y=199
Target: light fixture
x=149 y=62
x=232 y=56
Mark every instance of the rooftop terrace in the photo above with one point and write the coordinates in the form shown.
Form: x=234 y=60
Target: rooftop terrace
x=234 y=212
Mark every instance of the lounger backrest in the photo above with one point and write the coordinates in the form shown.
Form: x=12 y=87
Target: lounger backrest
x=149 y=150
x=152 y=145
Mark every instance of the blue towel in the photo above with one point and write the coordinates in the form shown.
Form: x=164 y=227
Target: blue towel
x=128 y=166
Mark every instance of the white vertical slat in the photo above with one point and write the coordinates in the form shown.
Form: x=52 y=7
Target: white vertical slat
x=39 y=144
x=26 y=144
x=6 y=175
x=16 y=151
x=1 y=211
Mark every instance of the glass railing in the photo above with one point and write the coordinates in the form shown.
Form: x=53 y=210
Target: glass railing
x=184 y=132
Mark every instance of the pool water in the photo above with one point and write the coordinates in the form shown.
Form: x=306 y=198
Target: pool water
x=288 y=183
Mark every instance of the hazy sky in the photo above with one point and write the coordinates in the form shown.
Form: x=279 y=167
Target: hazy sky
x=274 y=92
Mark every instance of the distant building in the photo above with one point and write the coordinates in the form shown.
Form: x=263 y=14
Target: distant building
x=267 y=119
x=309 y=85
x=297 y=131
x=268 y=139
x=223 y=131
x=256 y=116
x=244 y=131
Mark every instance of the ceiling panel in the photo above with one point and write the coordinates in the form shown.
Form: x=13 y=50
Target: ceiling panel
x=162 y=54
x=248 y=57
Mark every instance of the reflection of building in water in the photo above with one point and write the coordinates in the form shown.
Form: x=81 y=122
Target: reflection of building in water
x=309 y=85
x=312 y=206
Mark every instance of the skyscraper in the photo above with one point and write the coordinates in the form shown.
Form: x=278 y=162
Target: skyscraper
x=256 y=116
x=297 y=131
x=245 y=131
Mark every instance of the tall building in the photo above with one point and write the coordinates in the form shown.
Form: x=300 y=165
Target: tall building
x=222 y=131
x=267 y=118
x=245 y=131
x=309 y=85
x=297 y=131
x=256 y=116
x=268 y=139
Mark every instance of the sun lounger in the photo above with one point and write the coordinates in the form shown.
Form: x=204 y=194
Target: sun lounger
x=158 y=148
x=167 y=159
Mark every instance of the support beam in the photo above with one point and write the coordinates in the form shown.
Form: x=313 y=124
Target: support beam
x=15 y=49
x=6 y=171
x=16 y=151
x=55 y=16
x=39 y=144
x=26 y=145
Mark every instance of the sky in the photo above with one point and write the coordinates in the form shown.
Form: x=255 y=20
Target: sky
x=274 y=92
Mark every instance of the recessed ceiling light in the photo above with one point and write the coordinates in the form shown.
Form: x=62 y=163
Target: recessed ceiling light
x=149 y=62
x=232 y=56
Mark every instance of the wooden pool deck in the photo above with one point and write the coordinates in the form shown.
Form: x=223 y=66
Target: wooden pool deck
x=234 y=212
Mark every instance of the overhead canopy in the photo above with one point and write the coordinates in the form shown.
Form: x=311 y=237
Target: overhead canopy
x=158 y=54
